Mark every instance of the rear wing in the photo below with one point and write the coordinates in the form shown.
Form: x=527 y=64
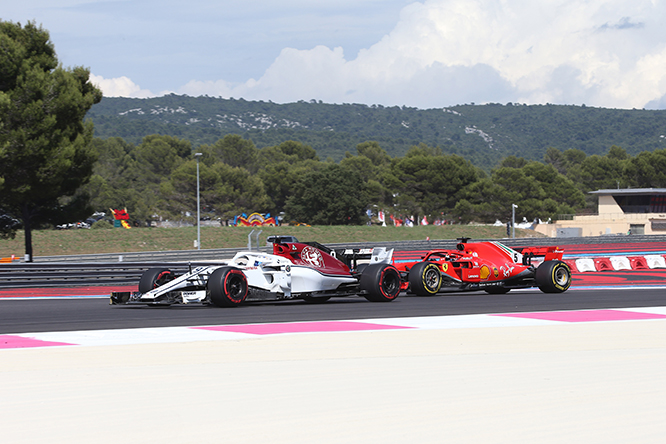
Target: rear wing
x=548 y=253
x=351 y=256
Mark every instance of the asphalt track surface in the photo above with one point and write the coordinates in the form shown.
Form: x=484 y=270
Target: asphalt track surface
x=528 y=380
x=84 y=313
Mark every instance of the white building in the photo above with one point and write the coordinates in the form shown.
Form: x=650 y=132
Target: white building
x=620 y=211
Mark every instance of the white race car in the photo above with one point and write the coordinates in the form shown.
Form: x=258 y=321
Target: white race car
x=295 y=270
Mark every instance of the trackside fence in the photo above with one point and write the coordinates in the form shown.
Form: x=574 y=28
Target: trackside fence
x=127 y=268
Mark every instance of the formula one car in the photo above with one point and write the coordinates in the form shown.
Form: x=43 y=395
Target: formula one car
x=308 y=271
x=489 y=266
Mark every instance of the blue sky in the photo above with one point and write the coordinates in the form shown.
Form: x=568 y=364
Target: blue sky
x=428 y=54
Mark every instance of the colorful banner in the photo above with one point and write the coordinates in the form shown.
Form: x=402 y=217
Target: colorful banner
x=255 y=220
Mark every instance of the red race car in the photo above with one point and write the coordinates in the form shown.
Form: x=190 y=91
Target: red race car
x=489 y=266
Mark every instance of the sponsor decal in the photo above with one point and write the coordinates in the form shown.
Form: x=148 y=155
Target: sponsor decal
x=489 y=284
x=445 y=267
x=312 y=256
x=484 y=272
x=473 y=276
x=495 y=272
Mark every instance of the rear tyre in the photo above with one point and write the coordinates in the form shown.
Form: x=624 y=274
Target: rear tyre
x=155 y=277
x=227 y=287
x=380 y=282
x=425 y=279
x=553 y=277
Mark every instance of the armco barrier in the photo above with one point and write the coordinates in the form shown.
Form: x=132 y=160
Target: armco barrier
x=580 y=245
x=64 y=274
x=126 y=268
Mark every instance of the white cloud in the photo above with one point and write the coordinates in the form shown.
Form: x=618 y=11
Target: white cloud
x=120 y=87
x=443 y=52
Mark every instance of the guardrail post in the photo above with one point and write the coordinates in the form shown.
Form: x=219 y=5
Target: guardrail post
x=249 y=239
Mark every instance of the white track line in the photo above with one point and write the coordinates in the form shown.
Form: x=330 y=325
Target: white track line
x=247 y=331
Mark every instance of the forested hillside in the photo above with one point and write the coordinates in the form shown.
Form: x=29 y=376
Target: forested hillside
x=482 y=134
x=157 y=180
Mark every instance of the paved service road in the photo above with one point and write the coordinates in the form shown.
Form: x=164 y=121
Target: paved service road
x=32 y=316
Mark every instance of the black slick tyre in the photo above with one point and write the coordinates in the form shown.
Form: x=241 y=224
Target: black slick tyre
x=553 y=277
x=153 y=278
x=425 y=279
x=227 y=287
x=380 y=282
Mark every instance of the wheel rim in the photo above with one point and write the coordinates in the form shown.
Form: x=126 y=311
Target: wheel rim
x=163 y=278
x=235 y=287
x=431 y=278
x=390 y=283
x=561 y=276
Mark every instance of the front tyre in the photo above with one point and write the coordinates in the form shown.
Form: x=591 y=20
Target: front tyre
x=155 y=277
x=425 y=279
x=380 y=282
x=227 y=287
x=553 y=277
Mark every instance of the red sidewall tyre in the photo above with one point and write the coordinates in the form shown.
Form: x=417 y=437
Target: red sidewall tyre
x=153 y=278
x=227 y=287
x=380 y=282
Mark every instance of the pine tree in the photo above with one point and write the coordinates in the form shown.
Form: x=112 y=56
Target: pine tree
x=45 y=152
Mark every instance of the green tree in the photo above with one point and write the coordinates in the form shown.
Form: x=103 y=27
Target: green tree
x=298 y=150
x=45 y=152
x=538 y=190
x=374 y=152
x=279 y=179
x=483 y=201
x=427 y=181
x=225 y=190
x=282 y=166
x=599 y=172
x=373 y=164
x=290 y=152
x=234 y=151
x=647 y=170
x=333 y=195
